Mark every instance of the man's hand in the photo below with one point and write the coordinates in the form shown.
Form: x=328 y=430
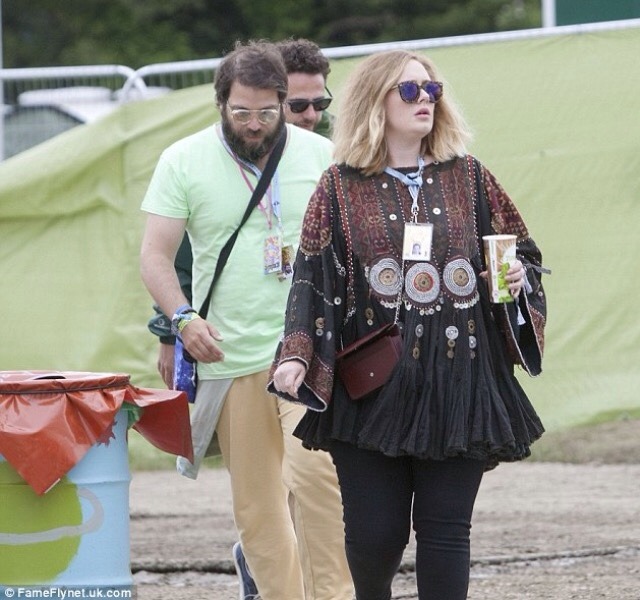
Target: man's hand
x=199 y=338
x=165 y=363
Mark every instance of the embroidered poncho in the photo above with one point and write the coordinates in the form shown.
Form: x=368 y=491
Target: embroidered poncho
x=453 y=392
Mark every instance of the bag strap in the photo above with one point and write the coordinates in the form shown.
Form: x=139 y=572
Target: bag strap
x=483 y=219
x=335 y=170
x=483 y=223
x=258 y=193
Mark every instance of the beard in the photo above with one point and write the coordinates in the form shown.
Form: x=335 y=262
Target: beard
x=251 y=149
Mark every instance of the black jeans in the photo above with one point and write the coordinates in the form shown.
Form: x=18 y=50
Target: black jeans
x=378 y=493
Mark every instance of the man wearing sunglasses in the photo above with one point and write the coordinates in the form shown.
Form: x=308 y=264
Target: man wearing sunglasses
x=202 y=184
x=308 y=97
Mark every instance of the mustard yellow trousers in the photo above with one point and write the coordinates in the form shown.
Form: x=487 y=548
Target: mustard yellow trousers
x=271 y=471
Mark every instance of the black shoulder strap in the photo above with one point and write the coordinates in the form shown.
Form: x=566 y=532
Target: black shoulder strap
x=484 y=228
x=258 y=193
x=483 y=216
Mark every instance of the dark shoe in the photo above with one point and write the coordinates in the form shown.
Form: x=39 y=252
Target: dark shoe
x=248 y=589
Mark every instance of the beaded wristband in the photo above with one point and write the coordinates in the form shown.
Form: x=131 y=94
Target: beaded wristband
x=185 y=308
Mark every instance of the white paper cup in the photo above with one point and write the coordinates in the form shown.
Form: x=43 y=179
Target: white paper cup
x=500 y=254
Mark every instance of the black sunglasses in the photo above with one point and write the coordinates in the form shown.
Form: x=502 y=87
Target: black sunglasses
x=319 y=104
x=410 y=90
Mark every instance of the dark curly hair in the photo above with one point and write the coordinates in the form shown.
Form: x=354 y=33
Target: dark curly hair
x=256 y=64
x=303 y=56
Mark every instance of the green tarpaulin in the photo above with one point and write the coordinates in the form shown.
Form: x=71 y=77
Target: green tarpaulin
x=557 y=119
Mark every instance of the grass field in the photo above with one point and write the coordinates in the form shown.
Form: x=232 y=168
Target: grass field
x=616 y=440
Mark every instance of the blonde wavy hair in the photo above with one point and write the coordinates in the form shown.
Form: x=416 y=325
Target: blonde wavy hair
x=359 y=130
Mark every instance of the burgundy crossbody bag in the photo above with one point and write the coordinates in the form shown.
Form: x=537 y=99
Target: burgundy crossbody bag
x=365 y=365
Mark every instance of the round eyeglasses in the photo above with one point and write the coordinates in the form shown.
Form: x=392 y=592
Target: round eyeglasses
x=410 y=90
x=243 y=116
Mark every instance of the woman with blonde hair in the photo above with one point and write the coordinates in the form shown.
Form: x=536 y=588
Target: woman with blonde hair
x=360 y=136
x=410 y=449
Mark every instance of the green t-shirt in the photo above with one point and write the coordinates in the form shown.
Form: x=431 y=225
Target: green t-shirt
x=197 y=179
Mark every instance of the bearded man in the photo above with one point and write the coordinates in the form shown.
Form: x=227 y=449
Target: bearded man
x=202 y=184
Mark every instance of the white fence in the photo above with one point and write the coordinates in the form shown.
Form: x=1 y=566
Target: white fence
x=39 y=103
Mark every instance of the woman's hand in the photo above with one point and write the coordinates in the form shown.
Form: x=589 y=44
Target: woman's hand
x=515 y=277
x=289 y=376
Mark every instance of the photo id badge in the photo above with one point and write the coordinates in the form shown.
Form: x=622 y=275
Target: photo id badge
x=287 y=262
x=417 y=241
x=272 y=254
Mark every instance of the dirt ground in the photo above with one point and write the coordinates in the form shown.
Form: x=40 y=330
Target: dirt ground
x=541 y=531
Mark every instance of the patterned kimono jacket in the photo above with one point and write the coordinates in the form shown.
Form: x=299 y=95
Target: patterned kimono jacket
x=453 y=391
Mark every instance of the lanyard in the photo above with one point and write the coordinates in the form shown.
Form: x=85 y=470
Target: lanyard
x=413 y=181
x=275 y=205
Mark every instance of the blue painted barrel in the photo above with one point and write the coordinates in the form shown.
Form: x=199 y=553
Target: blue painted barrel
x=77 y=533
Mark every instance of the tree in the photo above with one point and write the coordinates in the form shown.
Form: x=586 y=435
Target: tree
x=77 y=32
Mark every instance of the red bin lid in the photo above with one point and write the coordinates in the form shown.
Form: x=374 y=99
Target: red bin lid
x=44 y=381
x=50 y=419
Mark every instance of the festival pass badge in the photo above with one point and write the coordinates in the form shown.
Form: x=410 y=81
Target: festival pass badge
x=417 y=240
x=272 y=254
x=288 y=257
